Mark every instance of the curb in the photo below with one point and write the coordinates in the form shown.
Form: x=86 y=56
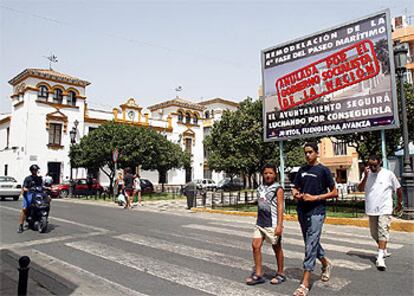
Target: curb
x=396 y=225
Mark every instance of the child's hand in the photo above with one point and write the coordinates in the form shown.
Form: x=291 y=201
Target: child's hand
x=298 y=195
x=278 y=230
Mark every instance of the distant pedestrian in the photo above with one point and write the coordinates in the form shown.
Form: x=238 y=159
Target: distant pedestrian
x=269 y=226
x=137 y=188
x=379 y=184
x=119 y=183
x=48 y=180
x=313 y=185
x=128 y=187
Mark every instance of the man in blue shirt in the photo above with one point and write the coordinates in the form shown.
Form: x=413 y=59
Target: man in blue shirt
x=313 y=185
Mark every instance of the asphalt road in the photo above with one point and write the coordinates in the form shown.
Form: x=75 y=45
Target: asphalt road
x=166 y=250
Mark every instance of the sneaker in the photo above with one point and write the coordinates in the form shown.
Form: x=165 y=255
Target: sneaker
x=20 y=230
x=387 y=254
x=380 y=263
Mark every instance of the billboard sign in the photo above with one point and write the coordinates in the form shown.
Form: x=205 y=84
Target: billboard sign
x=337 y=81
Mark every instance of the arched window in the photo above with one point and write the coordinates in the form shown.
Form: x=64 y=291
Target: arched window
x=58 y=96
x=43 y=92
x=195 y=119
x=180 y=116
x=72 y=98
x=207 y=114
x=187 y=117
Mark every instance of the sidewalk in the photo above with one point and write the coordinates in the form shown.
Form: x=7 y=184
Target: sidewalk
x=9 y=277
x=396 y=225
x=177 y=205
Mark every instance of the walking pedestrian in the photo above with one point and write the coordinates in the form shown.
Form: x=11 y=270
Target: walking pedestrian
x=313 y=185
x=269 y=226
x=379 y=184
x=137 y=188
x=119 y=183
x=128 y=187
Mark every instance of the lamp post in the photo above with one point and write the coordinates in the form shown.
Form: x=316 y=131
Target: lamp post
x=73 y=132
x=407 y=180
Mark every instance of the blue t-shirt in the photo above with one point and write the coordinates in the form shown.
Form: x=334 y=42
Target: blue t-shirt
x=267 y=205
x=314 y=180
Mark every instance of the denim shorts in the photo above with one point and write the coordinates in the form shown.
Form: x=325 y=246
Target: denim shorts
x=27 y=200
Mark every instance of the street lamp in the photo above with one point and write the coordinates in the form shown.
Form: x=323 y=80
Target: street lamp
x=73 y=132
x=407 y=180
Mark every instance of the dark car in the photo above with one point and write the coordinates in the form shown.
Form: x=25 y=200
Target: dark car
x=146 y=186
x=82 y=187
x=228 y=184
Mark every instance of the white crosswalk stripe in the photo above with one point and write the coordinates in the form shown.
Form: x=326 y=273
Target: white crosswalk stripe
x=331 y=247
x=78 y=276
x=246 y=245
x=169 y=272
x=214 y=257
x=330 y=235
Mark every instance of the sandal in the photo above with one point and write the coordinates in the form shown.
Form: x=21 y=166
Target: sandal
x=254 y=279
x=278 y=279
x=326 y=272
x=301 y=291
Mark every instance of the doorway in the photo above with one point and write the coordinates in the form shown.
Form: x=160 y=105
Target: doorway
x=54 y=168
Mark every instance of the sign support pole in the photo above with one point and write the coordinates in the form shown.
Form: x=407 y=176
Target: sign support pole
x=384 y=150
x=282 y=165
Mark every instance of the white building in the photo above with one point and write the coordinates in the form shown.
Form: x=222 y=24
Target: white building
x=47 y=105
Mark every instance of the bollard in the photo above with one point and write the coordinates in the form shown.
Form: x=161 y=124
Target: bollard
x=24 y=262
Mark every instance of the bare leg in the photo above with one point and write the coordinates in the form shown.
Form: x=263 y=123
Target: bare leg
x=279 y=257
x=306 y=278
x=257 y=255
x=382 y=244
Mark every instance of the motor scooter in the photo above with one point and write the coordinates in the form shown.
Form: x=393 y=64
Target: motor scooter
x=38 y=212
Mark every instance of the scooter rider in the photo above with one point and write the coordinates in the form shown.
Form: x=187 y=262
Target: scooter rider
x=29 y=182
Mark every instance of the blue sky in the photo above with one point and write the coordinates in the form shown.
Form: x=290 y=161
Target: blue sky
x=145 y=49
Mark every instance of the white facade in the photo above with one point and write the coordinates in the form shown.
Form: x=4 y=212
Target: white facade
x=38 y=128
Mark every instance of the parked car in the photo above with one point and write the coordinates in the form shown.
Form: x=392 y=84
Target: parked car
x=81 y=188
x=206 y=184
x=228 y=184
x=9 y=187
x=146 y=186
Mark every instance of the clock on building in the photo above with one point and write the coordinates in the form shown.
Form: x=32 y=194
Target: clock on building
x=131 y=115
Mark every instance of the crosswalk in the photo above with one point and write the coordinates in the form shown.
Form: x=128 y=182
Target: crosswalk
x=221 y=250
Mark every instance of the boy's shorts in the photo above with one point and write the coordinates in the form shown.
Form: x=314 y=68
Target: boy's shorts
x=27 y=200
x=268 y=233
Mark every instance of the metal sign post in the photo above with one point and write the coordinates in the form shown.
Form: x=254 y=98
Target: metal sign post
x=384 y=150
x=282 y=164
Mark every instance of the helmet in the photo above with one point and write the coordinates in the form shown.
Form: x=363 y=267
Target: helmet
x=34 y=167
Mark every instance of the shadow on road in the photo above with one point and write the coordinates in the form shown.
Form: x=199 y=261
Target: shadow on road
x=41 y=281
x=362 y=255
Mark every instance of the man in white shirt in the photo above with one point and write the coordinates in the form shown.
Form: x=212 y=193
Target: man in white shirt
x=379 y=184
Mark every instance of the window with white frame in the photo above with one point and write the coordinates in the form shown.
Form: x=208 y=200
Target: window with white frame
x=72 y=98
x=42 y=92
x=58 y=96
x=55 y=134
x=340 y=148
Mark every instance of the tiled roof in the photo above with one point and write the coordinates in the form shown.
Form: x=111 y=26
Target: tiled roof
x=219 y=100
x=48 y=74
x=179 y=103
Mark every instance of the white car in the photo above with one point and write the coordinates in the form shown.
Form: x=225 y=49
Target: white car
x=9 y=187
x=207 y=184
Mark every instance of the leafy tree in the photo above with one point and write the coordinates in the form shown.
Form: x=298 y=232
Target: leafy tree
x=137 y=146
x=370 y=142
x=236 y=146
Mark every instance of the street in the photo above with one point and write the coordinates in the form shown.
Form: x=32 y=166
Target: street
x=96 y=249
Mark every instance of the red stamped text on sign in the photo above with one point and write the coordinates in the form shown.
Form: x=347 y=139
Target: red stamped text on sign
x=337 y=71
